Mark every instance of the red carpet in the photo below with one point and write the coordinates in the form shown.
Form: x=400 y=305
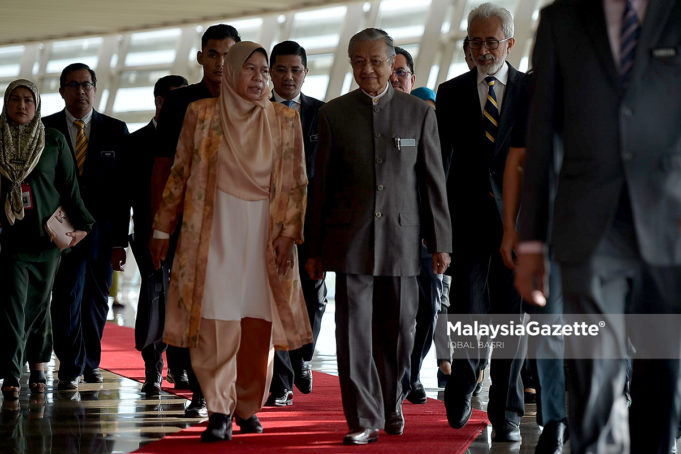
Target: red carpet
x=314 y=424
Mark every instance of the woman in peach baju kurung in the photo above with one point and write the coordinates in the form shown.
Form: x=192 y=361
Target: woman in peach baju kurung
x=239 y=182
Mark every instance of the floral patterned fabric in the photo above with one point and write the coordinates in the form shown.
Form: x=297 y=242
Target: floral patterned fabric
x=191 y=190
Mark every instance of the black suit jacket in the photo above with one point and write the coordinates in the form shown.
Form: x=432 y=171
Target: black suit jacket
x=309 y=118
x=102 y=183
x=474 y=169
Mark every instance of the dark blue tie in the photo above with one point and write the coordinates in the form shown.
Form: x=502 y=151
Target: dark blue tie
x=490 y=113
x=629 y=33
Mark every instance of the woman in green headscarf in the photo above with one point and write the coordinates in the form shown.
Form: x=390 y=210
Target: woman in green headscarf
x=37 y=174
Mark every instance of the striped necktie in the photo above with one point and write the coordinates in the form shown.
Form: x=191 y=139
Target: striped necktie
x=81 y=145
x=629 y=33
x=490 y=113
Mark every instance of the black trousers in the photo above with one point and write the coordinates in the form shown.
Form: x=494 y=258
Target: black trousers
x=613 y=281
x=481 y=284
x=374 y=339
x=314 y=292
x=80 y=304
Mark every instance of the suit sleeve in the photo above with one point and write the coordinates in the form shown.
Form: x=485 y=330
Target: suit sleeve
x=170 y=122
x=120 y=222
x=173 y=195
x=436 y=226
x=69 y=192
x=441 y=109
x=315 y=217
x=534 y=216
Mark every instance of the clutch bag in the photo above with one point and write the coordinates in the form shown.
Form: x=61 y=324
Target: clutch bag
x=57 y=226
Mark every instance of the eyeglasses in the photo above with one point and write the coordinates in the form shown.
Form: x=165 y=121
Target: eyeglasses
x=86 y=86
x=490 y=43
x=401 y=72
x=361 y=63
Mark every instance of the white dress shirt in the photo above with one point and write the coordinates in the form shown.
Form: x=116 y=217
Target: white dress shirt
x=501 y=77
x=73 y=129
x=296 y=101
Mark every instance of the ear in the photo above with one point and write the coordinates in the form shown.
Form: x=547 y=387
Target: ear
x=61 y=92
x=158 y=101
x=413 y=80
x=199 y=58
x=511 y=42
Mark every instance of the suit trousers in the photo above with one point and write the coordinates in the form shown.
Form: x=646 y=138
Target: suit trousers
x=233 y=363
x=481 y=284
x=615 y=280
x=430 y=293
x=80 y=304
x=314 y=292
x=25 y=324
x=374 y=340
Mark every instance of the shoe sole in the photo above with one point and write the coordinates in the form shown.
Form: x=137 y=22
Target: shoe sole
x=347 y=441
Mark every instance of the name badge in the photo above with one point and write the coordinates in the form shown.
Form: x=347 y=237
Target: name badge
x=108 y=154
x=26 y=196
x=314 y=138
x=664 y=52
x=408 y=142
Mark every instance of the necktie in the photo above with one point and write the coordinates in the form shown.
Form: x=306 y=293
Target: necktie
x=288 y=104
x=81 y=145
x=629 y=33
x=490 y=113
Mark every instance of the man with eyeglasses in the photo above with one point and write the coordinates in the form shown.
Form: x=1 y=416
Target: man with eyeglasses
x=403 y=77
x=378 y=189
x=81 y=288
x=477 y=112
x=288 y=68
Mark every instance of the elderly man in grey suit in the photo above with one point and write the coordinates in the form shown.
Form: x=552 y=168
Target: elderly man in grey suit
x=379 y=188
x=608 y=91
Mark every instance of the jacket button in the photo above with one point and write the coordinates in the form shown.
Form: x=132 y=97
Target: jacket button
x=380 y=187
x=378 y=215
x=379 y=161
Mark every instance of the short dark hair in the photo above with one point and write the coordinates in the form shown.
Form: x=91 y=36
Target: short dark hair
x=407 y=56
x=288 y=48
x=75 y=67
x=466 y=44
x=163 y=86
x=219 y=32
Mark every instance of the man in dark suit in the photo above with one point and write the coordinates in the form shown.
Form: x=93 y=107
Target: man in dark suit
x=81 y=287
x=378 y=189
x=215 y=44
x=138 y=162
x=288 y=68
x=477 y=113
x=608 y=94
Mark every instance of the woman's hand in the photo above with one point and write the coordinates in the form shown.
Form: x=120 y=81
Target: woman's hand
x=158 y=248
x=77 y=236
x=283 y=254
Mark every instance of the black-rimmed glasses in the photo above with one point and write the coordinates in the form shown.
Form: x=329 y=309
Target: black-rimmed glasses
x=490 y=43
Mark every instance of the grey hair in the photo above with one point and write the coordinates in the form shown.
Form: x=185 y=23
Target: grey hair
x=373 y=34
x=487 y=10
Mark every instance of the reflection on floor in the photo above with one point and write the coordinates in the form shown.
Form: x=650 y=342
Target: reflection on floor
x=115 y=417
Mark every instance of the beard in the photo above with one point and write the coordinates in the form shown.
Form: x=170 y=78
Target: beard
x=488 y=64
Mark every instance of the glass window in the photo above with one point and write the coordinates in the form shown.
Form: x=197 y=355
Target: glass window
x=403 y=20
x=319 y=28
x=73 y=51
x=149 y=48
x=9 y=60
x=317 y=79
x=49 y=95
x=249 y=29
x=136 y=91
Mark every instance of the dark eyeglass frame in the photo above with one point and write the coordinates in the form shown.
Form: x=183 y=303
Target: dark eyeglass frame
x=401 y=72
x=490 y=43
x=86 y=86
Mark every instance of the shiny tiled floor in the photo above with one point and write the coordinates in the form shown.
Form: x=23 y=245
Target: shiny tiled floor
x=115 y=417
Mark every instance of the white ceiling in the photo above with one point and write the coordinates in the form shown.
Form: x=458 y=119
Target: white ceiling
x=42 y=20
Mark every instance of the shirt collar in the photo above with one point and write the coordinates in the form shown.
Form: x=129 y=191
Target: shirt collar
x=376 y=98
x=501 y=76
x=86 y=118
x=278 y=98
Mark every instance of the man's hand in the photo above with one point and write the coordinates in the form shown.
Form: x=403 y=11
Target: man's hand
x=158 y=248
x=77 y=236
x=509 y=245
x=441 y=262
x=313 y=266
x=118 y=258
x=283 y=254
x=529 y=278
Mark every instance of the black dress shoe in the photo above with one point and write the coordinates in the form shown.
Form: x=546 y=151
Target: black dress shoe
x=152 y=384
x=303 y=374
x=93 y=376
x=508 y=431
x=552 y=438
x=361 y=437
x=197 y=407
x=478 y=387
x=249 y=426
x=219 y=428
x=417 y=395
x=459 y=408
x=280 y=399
x=179 y=378
x=66 y=384
x=394 y=423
